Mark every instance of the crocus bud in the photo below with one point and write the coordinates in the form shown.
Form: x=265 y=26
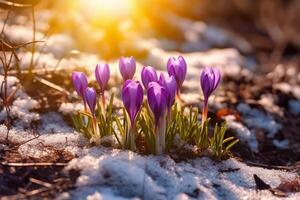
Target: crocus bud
x=127 y=67
x=80 y=83
x=90 y=95
x=209 y=80
x=157 y=100
x=148 y=75
x=102 y=74
x=177 y=67
x=132 y=96
x=169 y=83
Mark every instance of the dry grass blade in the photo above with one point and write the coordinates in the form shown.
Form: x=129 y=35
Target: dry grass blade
x=39 y=182
x=54 y=86
x=32 y=164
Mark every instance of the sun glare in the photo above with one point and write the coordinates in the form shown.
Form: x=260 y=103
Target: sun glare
x=112 y=8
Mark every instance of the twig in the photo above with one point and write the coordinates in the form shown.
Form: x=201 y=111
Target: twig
x=229 y=170
x=35 y=137
x=10 y=4
x=33 y=39
x=32 y=164
x=5 y=21
x=39 y=182
x=37 y=191
x=268 y=166
x=54 y=86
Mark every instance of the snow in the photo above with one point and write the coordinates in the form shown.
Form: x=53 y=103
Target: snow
x=36 y=148
x=255 y=118
x=19 y=34
x=281 y=144
x=22 y=104
x=52 y=122
x=267 y=101
x=40 y=60
x=288 y=88
x=70 y=108
x=21 y=109
x=243 y=133
x=294 y=107
x=228 y=60
x=200 y=36
x=58 y=45
x=124 y=174
x=284 y=87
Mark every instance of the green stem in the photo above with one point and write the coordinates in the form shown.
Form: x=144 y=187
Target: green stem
x=96 y=136
x=204 y=113
x=130 y=138
x=103 y=104
x=160 y=135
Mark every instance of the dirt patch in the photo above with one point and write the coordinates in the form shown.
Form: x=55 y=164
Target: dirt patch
x=29 y=178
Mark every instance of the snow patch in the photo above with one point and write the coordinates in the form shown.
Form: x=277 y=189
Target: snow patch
x=255 y=118
x=22 y=104
x=288 y=88
x=34 y=145
x=281 y=144
x=294 y=107
x=53 y=122
x=19 y=34
x=243 y=133
x=70 y=108
x=21 y=109
x=58 y=45
x=40 y=60
x=127 y=175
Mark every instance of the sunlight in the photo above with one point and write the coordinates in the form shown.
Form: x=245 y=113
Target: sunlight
x=111 y=8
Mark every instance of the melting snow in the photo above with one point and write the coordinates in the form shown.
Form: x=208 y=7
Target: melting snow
x=121 y=174
x=294 y=107
x=255 y=118
x=22 y=104
x=243 y=133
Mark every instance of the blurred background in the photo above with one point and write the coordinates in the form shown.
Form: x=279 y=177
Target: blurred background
x=266 y=30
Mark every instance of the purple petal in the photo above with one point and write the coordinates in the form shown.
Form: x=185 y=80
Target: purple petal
x=217 y=77
x=177 y=67
x=132 y=96
x=80 y=83
x=102 y=74
x=90 y=95
x=157 y=99
x=127 y=67
x=170 y=85
x=148 y=75
x=209 y=80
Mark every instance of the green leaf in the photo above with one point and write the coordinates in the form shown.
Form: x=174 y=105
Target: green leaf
x=231 y=144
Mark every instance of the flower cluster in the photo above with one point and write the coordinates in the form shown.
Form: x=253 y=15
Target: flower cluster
x=157 y=118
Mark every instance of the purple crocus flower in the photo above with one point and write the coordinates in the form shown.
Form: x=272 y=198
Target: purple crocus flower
x=157 y=100
x=209 y=81
x=80 y=83
x=132 y=96
x=148 y=75
x=90 y=95
x=177 y=67
x=102 y=74
x=127 y=67
x=169 y=83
